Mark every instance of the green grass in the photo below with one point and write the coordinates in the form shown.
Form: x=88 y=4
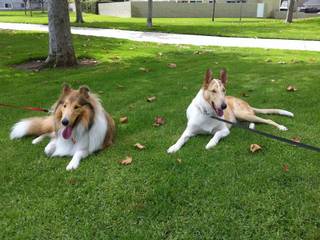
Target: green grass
x=248 y=27
x=224 y=193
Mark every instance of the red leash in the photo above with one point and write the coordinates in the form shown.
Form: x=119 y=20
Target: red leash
x=37 y=109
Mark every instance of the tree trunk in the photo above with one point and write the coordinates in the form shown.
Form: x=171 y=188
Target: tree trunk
x=213 y=9
x=30 y=7
x=42 y=5
x=149 y=19
x=290 y=11
x=25 y=8
x=79 y=18
x=61 y=52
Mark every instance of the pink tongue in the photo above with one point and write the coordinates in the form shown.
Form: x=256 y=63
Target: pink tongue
x=220 y=112
x=67 y=132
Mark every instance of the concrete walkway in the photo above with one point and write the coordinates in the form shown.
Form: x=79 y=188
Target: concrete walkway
x=171 y=38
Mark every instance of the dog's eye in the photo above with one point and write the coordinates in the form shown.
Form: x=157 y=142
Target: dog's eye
x=214 y=91
x=65 y=105
x=224 y=90
x=76 y=107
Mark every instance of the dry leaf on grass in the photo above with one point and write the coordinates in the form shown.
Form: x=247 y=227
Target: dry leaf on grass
x=120 y=86
x=143 y=69
x=160 y=54
x=151 y=99
x=244 y=94
x=126 y=161
x=296 y=139
x=255 y=147
x=179 y=160
x=172 y=65
x=285 y=167
x=158 y=121
x=123 y=119
x=282 y=62
x=139 y=146
x=268 y=60
x=291 y=88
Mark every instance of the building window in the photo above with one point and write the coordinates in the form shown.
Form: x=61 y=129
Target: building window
x=22 y=5
x=7 y=5
x=195 y=1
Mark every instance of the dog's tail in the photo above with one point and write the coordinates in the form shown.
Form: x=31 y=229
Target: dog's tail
x=273 y=111
x=32 y=126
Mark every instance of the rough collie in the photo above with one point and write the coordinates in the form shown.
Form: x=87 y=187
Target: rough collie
x=78 y=126
x=211 y=101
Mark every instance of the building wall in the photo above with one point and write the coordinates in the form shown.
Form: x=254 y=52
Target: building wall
x=116 y=9
x=174 y=9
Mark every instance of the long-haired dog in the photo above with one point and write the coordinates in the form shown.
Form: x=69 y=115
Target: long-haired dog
x=78 y=126
x=211 y=101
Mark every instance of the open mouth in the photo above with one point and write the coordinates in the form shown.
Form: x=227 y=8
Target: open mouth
x=67 y=132
x=218 y=111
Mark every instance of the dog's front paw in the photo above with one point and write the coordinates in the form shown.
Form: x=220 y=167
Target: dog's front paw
x=172 y=149
x=211 y=144
x=49 y=149
x=72 y=165
x=282 y=128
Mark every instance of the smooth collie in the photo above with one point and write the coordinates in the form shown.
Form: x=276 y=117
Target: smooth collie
x=211 y=101
x=78 y=126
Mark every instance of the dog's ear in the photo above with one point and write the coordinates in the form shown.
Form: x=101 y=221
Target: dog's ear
x=207 y=78
x=84 y=91
x=66 y=89
x=223 y=76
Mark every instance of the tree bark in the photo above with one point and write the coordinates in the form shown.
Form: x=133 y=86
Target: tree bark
x=61 y=52
x=149 y=19
x=290 y=10
x=79 y=18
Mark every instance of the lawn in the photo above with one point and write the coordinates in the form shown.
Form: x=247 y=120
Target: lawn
x=224 y=193
x=231 y=27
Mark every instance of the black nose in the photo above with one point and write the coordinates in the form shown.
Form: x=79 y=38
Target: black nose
x=223 y=106
x=65 y=122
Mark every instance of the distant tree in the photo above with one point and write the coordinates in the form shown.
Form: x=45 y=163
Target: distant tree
x=213 y=9
x=30 y=7
x=61 y=51
x=79 y=18
x=25 y=6
x=42 y=5
x=290 y=10
x=149 y=19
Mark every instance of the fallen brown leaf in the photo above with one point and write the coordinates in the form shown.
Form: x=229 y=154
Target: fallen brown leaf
x=291 y=88
x=285 y=168
x=296 y=139
x=139 y=146
x=244 y=94
x=143 y=69
x=123 y=119
x=172 y=65
x=255 y=147
x=126 y=161
x=158 y=121
x=179 y=160
x=151 y=99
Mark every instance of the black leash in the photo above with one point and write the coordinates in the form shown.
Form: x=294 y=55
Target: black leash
x=281 y=139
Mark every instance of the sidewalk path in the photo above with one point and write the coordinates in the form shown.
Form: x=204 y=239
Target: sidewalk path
x=171 y=38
